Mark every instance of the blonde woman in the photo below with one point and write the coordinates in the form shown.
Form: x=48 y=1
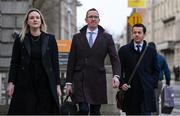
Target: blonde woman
x=34 y=80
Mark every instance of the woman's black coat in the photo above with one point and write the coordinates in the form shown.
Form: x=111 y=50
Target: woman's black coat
x=20 y=73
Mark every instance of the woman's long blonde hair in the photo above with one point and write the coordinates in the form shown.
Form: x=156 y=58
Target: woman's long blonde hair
x=26 y=28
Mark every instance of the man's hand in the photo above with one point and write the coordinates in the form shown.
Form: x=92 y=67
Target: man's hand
x=125 y=87
x=115 y=81
x=10 y=89
x=59 y=93
x=68 y=89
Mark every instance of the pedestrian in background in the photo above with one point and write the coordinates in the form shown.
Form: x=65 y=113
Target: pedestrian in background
x=86 y=75
x=34 y=82
x=139 y=97
x=164 y=71
x=176 y=70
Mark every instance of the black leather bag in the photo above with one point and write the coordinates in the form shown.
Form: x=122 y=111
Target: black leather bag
x=120 y=98
x=68 y=107
x=167 y=100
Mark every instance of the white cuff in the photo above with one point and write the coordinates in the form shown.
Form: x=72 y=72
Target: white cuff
x=117 y=76
x=68 y=83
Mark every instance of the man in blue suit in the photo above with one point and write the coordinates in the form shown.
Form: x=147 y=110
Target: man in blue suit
x=164 y=71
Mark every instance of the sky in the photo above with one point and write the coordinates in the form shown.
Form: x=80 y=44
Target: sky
x=113 y=14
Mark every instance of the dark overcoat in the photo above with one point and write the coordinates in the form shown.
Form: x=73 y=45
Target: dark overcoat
x=19 y=72
x=86 y=70
x=144 y=81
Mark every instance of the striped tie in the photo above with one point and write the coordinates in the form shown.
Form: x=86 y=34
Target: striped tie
x=138 y=48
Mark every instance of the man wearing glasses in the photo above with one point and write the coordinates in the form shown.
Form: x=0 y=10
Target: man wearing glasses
x=86 y=75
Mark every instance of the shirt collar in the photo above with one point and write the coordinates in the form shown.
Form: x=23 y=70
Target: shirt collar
x=141 y=44
x=135 y=45
x=95 y=31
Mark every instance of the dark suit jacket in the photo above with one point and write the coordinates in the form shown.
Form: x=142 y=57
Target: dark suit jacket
x=86 y=69
x=19 y=72
x=144 y=80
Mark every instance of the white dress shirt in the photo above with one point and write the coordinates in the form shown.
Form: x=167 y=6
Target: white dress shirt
x=141 y=45
x=95 y=32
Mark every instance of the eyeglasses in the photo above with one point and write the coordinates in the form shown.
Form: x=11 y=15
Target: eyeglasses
x=91 y=17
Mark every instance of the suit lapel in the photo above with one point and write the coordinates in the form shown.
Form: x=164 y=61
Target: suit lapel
x=97 y=41
x=44 y=43
x=45 y=39
x=27 y=43
x=84 y=41
x=94 y=48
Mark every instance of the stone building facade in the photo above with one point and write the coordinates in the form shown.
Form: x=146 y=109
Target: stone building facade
x=11 y=18
x=60 y=16
x=162 y=19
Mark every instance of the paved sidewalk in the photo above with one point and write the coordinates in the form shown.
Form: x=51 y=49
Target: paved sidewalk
x=176 y=89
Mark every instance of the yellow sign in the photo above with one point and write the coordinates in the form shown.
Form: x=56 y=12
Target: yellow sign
x=64 y=45
x=137 y=3
x=134 y=19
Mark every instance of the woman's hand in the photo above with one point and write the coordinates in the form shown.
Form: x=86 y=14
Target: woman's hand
x=10 y=89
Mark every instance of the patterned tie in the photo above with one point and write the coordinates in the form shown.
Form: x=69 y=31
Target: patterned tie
x=90 y=39
x=138 y=48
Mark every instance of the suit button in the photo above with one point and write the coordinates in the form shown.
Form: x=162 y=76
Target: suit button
x=22 y=68
x=50 y=69
x=86 y=60
x=22 y=57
